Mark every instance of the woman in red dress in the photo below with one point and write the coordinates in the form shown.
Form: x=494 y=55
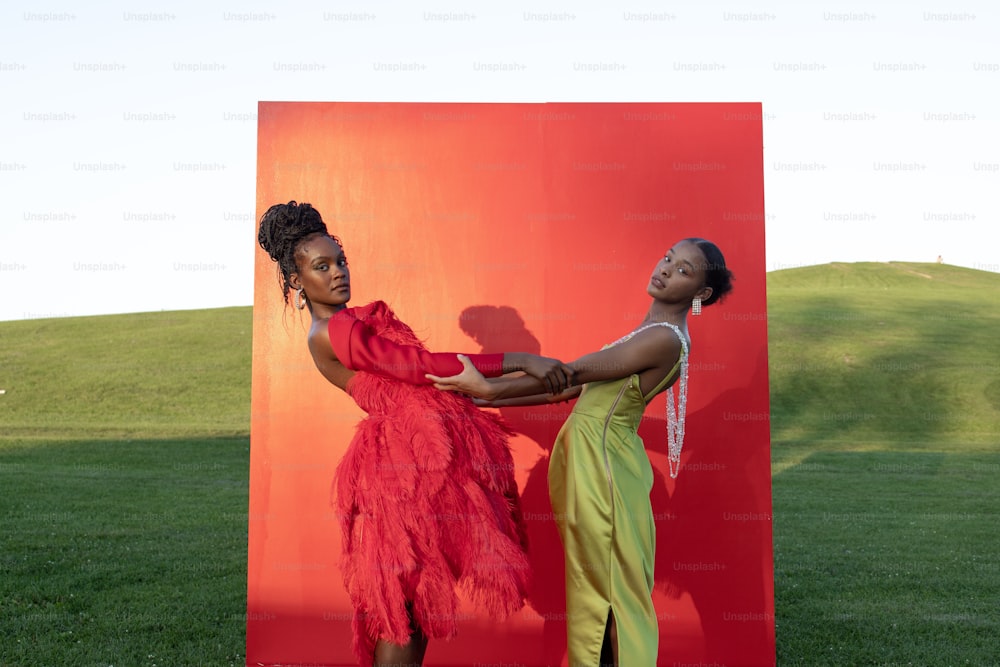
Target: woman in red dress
x=426 y=490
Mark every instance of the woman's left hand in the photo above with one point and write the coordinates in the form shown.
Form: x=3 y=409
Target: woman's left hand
x=470 y=381
x=554 y=374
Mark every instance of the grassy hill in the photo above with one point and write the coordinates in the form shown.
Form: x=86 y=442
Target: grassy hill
x=885 y=408
x=884 y=356
x=124 y=455
x=897 y=356
x=157 y=375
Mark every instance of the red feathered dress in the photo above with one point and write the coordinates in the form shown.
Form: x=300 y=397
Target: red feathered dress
x=425 y=491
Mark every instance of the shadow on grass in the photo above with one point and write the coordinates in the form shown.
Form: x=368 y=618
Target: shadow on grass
x=850 y=373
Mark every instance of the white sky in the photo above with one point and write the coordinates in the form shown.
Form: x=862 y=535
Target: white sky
x=128 y=130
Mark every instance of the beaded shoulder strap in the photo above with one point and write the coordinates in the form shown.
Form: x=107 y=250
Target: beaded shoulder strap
x=675 y=418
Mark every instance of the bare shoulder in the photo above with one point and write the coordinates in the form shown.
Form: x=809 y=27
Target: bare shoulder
x=663 y=336
x=321 y=350
x=319 y=339
x=659 y=346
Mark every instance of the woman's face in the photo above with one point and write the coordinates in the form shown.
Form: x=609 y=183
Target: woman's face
x=680 y=275
x=323 y=271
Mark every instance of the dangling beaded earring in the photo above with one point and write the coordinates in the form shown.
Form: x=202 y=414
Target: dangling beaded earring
x=696 y=306
x=300 y=301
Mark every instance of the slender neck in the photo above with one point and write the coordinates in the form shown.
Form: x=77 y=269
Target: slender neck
x=667 y=312
x=321 y=311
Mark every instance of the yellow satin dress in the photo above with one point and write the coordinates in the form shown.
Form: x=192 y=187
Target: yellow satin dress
x=600 y=479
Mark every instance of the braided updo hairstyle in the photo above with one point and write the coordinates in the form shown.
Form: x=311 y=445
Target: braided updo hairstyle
x=717 y=276
x=282 y=228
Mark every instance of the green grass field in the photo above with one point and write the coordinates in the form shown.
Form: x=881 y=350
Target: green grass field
x=124 y=456
x=885 y=409
x=124 y=462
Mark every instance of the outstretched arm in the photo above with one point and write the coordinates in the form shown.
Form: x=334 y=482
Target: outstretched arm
x=535 y=399
x=359 y=348
x=648 y=349
x=470 y=381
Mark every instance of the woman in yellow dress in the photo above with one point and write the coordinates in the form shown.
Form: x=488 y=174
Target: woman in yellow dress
x=599 y=475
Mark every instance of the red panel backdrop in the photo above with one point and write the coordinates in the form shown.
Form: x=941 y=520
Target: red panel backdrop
x=520 y=227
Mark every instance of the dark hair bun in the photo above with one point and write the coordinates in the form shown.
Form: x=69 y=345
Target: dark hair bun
x=717 y=276
x=282 y=228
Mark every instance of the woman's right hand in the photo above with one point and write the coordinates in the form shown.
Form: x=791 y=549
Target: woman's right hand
x=470 y=381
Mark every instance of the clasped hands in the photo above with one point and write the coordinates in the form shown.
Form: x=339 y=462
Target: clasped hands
x=554 y=375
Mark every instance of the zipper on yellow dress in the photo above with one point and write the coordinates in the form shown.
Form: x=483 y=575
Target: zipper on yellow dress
x=604 y=443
